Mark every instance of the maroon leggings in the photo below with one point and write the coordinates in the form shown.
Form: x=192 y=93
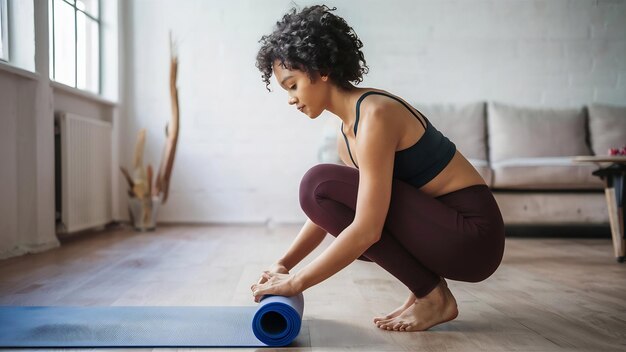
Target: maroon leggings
x=459 y=235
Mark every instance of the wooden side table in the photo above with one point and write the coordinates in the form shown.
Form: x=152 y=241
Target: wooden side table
x=612 y=170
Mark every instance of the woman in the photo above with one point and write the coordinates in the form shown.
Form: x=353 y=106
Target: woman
x=408 y=201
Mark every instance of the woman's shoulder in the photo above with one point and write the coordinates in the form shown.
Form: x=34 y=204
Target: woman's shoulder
x=378 y=111
x=376 y=103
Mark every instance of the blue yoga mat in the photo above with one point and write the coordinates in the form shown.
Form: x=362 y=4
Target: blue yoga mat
x=276 y=321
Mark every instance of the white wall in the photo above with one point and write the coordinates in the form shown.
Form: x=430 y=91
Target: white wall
x=242 y=151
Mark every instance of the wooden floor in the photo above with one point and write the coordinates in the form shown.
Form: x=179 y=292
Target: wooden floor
x=548 y=295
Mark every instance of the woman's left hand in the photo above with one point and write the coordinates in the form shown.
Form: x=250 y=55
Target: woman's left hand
x=276 y=284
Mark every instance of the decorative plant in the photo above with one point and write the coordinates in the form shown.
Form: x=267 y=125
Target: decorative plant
x=140 y=183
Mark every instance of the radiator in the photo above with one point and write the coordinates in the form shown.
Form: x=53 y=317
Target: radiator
x=86 y=172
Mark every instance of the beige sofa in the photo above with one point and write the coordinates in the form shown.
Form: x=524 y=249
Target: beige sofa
x=525 y=155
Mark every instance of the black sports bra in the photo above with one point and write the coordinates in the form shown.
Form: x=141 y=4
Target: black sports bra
x=422 y=161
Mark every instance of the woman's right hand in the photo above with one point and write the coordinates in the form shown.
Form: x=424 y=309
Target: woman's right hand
x=274 y=268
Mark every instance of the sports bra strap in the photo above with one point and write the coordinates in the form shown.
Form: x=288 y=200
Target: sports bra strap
x=358 y=108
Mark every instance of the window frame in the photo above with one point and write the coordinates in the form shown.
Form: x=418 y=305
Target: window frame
x=97 y=21
x=4 y=30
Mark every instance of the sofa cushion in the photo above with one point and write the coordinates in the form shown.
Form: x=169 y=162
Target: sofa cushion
x=482 y=166
x=516 y=132
x=544 y=173
x=463 y=124
x=607 y=127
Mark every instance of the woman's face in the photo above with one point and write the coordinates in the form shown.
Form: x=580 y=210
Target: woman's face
x=308 y=97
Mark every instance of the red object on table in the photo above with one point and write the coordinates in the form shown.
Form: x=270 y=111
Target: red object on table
x=617 y=151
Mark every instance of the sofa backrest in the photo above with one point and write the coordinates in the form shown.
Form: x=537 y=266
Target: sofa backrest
x=520 y=132
x=607 y=127
x=463 y=124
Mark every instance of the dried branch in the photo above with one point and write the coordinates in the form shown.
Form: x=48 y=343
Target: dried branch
x=149 y=176
x=167 y=161
x=139 y=173
x=129 y=179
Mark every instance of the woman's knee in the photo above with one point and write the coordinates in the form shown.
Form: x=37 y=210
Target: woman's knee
x=311 y=180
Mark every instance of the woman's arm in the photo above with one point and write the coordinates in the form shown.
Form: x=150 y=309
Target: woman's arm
x=375 y=152
x=308 y=239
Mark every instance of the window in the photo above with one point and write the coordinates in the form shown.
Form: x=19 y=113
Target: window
x=4 y=33
x=75 y=43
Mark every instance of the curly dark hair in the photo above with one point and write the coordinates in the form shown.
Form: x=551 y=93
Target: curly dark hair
x=314 y=40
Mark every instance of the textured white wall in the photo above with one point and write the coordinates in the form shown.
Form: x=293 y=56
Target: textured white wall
x=242 y=150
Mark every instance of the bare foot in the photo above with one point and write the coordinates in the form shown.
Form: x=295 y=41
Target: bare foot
x=409 y=301
x=439 y=306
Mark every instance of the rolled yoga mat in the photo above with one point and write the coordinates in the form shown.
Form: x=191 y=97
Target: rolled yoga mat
x=276 y=321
